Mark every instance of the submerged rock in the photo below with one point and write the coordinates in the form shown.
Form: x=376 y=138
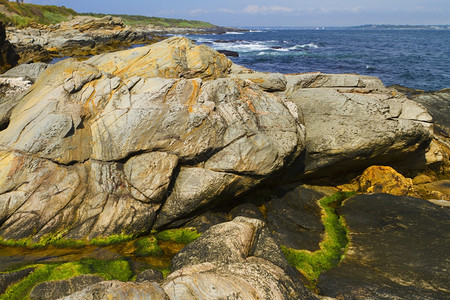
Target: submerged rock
x=398 y=250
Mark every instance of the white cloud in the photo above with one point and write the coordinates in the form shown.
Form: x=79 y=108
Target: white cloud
x=258 y=9
x=198 y=11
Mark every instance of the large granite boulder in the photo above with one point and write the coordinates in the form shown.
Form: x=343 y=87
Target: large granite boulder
x=234 y=260
x=398 y=250
x=120 y=143
x=353 y=122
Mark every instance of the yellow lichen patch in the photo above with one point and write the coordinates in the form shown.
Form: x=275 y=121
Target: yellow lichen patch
x=382 y=179
x=194 y=93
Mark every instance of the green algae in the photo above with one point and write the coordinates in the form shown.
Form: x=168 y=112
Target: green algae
x=333 y=246
x=110 y=270
x=148 y=246
x=180 y=235
x=58 y=241
x=154 y=251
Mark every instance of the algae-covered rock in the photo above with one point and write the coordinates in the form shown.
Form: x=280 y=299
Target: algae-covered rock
x=382 y=179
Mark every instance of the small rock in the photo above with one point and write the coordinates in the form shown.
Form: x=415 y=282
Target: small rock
x=229 y=53
x=150 y=275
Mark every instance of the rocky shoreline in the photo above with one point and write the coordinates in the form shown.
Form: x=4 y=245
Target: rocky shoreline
x=174 y=135
x=84 y=36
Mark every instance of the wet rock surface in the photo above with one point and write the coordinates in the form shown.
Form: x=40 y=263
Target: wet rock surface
x=397 y=251
x=61 y=288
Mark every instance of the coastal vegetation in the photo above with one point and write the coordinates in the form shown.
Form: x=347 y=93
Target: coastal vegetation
x=24 y=15
x=136 y=20
x=333 y=246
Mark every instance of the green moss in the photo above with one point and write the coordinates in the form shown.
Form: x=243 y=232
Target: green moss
x=332 y=248
x=22 y=289
x=180 y=235
x=148 y=246
x=109 y=269
x=58 y=241
x=112 y=239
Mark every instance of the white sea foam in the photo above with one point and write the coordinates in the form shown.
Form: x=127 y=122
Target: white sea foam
x=233 y=32
x=243 y=46
x=310 y=45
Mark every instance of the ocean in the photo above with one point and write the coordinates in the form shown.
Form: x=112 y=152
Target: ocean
x=417 y=59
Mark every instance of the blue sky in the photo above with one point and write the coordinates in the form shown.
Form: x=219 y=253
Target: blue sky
x=275 y=13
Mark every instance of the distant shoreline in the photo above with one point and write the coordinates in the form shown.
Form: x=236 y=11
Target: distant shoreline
x=360 y=27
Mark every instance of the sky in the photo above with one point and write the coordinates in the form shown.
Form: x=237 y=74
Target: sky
x=275 y=13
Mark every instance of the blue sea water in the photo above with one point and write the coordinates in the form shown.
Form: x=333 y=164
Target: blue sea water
x=418 y=59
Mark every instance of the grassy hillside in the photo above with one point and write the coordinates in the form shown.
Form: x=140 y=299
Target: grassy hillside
x=23 y=14
x=163 y=22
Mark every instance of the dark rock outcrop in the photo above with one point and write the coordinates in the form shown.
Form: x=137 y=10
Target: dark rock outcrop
x=8 y=56
x=398 y=250
x=150 y=275
x=229 y=53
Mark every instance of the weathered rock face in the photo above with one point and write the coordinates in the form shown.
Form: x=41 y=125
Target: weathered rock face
x=353 y=121
x=27 y=71
x=234 y=260
x=102 y=146
x=398 y=250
